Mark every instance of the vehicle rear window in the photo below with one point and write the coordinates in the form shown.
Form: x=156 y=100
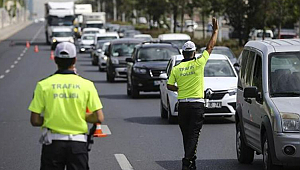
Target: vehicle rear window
x=157 y=53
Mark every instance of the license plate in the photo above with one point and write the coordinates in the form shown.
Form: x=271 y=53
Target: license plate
x=156 y=83
x=214 y=105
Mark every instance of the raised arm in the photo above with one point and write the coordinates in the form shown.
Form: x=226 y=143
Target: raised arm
x=214 y=36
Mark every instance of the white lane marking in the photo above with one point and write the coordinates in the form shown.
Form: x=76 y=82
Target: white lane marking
x=22 y=54
x=16 y=62
x=24 y=51
x=105 y=129
x=7 y=71
x=12 y=66
x=123 y=162
x=19 y=58
x=2 y=76
x=33 y=39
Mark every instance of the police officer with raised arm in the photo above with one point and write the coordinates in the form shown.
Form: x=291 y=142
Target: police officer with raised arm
x=190 y=87
x=59 y=107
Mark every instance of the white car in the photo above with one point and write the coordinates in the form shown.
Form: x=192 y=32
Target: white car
x=86 y=42
x=106 y=36
x=145 y=37
x=174 y=38
x=103 y=57
x=93 y=31
x=219 y=76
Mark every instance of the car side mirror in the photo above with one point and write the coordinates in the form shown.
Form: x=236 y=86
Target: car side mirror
x=129 y=60
x=250 y=92
x=163 y=76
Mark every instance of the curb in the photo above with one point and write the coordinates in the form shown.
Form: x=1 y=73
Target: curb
x=9 y=31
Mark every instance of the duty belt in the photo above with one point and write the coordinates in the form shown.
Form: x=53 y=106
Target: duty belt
x=47 y=137
x=191 y=100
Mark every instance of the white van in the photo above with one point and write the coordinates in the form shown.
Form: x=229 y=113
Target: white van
x=175 y=38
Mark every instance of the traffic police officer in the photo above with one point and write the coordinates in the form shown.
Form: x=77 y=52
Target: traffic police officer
x=189 y=78
x=59 y=106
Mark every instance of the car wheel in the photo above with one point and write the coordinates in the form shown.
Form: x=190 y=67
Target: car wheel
x=245 y=154
x=128 y=89
x=267 y=158
x=135 y=93
x=171 y=119
x=163 y=111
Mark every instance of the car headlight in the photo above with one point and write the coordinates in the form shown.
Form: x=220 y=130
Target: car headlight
x=114 y=61
x=104 y=58
x=139 y=70
x=54 y=40
x=290 y=122
x=71 y=40
x=232 y=92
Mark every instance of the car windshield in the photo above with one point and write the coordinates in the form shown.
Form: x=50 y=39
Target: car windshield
x=62 y=34
x=156 y=53
x=94 y=25
x=124 y=49
x=178 y=43
x=218 y=68
x=90 y=32
x=284 y=74
x=88 y=37
x=224 y=51
x=55 y=21
x=106 y=38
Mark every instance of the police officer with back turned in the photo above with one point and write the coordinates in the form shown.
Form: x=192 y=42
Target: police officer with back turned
x=189 y=78
x=59 y=106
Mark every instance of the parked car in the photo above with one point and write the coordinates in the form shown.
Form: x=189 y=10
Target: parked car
x=267 y=114
x=144 y=37
x=220 y=79
x=222 y=50
x=257 y=34
x=116 y=53
x=148 y=61
x=98 y=51
x=175 y=38
x=86 y=42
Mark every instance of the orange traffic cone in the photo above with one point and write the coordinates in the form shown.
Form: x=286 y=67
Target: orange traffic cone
x=36 y=49
x=98 y=131
x=27 y=44
x=52 y=55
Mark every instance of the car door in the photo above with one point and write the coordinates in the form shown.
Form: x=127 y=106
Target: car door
x=250 y=126
x=256 y=108
x=163 y=85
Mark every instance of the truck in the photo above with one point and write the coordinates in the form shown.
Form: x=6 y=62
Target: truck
x=80 y=10
x=58 y=14
x=94 y=20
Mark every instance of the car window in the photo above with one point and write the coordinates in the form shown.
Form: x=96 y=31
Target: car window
x=249 y=68
x=90 y=32
x=257 y=74
x=244 y=64
x=218 y=68
x=124 y=49
x=156 y=53
x=178 y=43
x=284 y=73
x=106 y=38
x=88 y=37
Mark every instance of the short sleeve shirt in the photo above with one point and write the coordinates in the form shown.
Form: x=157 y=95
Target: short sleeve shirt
x=189 y=76
x=63 y=99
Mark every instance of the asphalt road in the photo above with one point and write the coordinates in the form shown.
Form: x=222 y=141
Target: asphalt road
x=139 y=139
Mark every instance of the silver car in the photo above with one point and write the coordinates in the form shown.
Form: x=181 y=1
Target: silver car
x=268 y=101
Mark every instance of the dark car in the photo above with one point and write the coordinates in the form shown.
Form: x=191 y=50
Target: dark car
x=97 y=51
x=116 y=53
x=222 y=50
x=147 y=62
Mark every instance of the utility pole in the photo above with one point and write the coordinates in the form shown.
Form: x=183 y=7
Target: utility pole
x=115 y=10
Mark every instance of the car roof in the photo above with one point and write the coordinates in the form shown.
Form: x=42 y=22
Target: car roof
x=83 y=35
x=150 y=44
x=142 y=35
x=174 y=36
x=107 y=34
x=125 y=40
x=278 y=45
x=91 y=29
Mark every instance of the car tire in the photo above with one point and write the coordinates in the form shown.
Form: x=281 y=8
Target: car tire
x=267 y=158
x=171 y=119
x=128 y=89
x=163 y=111
x=245 y=154
x=135 y=93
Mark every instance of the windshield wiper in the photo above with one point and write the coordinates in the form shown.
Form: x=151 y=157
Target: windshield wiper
x=284 y=94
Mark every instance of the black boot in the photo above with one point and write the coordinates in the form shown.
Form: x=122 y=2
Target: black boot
x=193 y=165
x=186 y=163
